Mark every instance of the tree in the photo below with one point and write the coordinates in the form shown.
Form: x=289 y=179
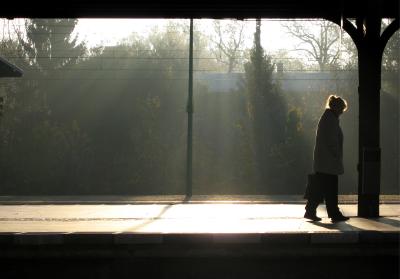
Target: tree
x=266 y=107
x=51 y=50
x=391 y=62
x=228 y=43
x=130 y=100
x=40 y=153
x=390 y=114
x=319 y=41
x=50 y=45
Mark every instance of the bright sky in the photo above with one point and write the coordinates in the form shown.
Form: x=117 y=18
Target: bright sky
x=106 y=32
x=110 y=31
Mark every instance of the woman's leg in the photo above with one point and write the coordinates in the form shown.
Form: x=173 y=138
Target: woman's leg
x=314 y=198
x=311 y=206
x=331 y=195
x=331 y=199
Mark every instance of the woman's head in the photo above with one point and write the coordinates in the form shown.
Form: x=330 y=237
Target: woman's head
x=337 y=104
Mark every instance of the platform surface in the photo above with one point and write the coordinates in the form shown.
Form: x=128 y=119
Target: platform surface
x=186 y=218
x=173 y=238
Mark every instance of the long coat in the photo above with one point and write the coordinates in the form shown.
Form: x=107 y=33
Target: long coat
x=328 y=150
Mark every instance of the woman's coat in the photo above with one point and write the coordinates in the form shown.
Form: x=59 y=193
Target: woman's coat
x=328 y=150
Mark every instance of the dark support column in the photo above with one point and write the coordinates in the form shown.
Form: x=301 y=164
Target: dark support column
x=190 y=117
x=369 y=131
x=369 y=67
x=370 y=45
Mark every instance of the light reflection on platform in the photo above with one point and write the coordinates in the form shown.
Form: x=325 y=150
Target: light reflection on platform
x=185 y=218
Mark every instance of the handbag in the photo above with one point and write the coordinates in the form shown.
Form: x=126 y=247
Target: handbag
x=314 y=189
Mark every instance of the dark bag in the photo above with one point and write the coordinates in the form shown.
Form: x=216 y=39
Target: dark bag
x=314 y=188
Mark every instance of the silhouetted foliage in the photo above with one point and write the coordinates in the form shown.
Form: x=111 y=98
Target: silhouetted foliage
x=266 y=111
x=112 y=120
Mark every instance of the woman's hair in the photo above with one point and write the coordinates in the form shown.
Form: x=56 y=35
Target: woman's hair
x=334 y=101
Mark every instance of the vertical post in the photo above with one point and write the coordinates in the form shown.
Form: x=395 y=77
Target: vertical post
x=369 y=130
x=189 y=110
x=370 y=42
x=369 y=67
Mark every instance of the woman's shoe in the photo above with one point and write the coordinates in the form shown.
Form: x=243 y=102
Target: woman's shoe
x=339 y=218
x=311 y=216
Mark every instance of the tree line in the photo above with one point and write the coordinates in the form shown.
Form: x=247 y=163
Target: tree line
x=112 y=120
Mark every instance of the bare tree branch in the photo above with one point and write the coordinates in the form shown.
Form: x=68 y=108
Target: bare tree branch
x=319 y=39
x=228 y=43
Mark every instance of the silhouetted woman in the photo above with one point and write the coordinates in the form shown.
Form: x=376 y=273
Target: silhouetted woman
x=328 y=160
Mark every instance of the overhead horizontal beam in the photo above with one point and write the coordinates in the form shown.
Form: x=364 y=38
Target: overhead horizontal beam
x=193 y=9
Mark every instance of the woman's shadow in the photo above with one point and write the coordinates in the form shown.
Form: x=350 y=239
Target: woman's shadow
x=344 y=226
x=341 y=226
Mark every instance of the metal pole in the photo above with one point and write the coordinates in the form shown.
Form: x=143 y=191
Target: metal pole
x=189 y=110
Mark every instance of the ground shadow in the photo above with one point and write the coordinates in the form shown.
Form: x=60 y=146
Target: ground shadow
x=186 y=199
x=151 y=219
x=388 y=221
x=342 y=226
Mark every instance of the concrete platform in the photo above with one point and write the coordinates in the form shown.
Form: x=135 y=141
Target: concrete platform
x=187 y=218
x=178 y=239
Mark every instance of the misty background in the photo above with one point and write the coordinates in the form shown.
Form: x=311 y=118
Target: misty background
x=111 y=119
